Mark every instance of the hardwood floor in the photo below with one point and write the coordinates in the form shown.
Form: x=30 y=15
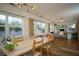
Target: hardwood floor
x=64 y=47
x=70 y=44
x=61 y=47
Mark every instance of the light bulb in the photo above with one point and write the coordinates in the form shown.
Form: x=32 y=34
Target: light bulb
x=33 y=7
x=61 y=20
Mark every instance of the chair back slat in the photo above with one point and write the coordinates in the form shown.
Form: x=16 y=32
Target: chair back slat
x=38 y=44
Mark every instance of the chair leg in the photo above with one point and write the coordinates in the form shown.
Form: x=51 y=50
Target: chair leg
x=47 y=52
x=41 y=51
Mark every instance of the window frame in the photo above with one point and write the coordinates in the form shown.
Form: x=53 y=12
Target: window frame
x=7 y=24
x=3 y=25
x=41 y=22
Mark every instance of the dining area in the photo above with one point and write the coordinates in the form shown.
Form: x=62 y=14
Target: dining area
x=28 y=32
x=35 y=45
x=42 y=45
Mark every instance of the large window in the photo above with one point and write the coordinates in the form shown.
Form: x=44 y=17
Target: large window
x=10 y=26
x=2 y=26
x=51 y=28
x=40 y=27
x=14 y=21
x=15 y=26
x=2 y=19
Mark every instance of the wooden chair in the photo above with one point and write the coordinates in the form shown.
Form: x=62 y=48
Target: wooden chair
x=17 y=40
x=37 y=46
x=48 y=45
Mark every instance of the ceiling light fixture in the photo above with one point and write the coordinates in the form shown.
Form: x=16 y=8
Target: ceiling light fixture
x=61 y=19
x=25 y=6
x=28 y=12
x=33 y=7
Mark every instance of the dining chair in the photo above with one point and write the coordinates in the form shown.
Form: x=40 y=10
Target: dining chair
x=18 y=40
x=48 y=45
x=37 y=46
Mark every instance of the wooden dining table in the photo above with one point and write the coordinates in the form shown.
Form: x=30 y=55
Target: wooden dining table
x=23 y=47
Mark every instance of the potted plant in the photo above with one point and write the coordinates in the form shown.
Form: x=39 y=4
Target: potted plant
x=9 y=46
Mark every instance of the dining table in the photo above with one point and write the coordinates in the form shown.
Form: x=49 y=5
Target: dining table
x=23 y=47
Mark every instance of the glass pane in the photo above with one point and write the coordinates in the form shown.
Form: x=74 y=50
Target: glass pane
x=43 y=27
x=2 y=19
x=14 y=21
x=2 y=32
x=39 y=27
x=15 y=31
x=51 y=28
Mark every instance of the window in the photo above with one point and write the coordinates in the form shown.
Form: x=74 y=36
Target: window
x=2 y=26
x=40 y=27
x=73 y=26
x=51 y=28
x=2 y=19
x=14 y=26
x=15 y=31
x=10 y=26
x=14 y=21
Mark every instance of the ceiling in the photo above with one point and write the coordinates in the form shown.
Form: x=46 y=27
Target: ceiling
x=48 y=11
x=53 y=11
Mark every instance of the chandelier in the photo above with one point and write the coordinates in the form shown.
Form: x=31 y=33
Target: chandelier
x=61 y=19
